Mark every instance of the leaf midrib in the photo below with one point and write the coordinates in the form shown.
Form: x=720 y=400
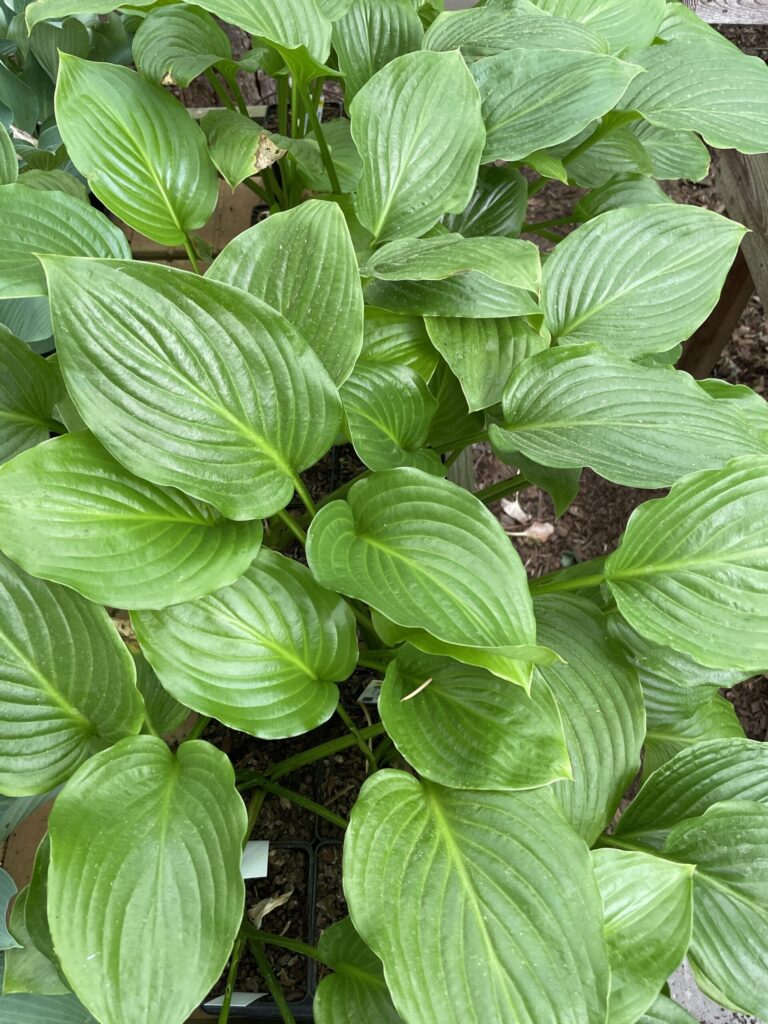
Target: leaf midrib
x=47 y=685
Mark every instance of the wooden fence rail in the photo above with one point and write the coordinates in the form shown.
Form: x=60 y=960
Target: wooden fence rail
x=731 y=12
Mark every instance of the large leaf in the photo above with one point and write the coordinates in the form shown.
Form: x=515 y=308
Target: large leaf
x=720 y=93
x=680 y=23
x=388 y=411
x=174 y=45
x=302 y=263
x=158 y=837
x=533 y=99
x=262 y=655
x=291 y=25
x=7 y=892
x=370 y=35
x=602 y=708
x=394 y=339
x=143 y=155
x=461 y=893
x=36 y=222
x=67 y=683
x=191 y=383
x=635 y=425
x=356 y=991
x=626 y=190
x=28 y=1009
x=27 y=969
x=71 y=513
x=619 y=152
x=418 y=127
x=48 y=41
x=431 y=557
x=485 y=31
x=41 y=10
x=624 y=23
x=690 y=570
x=497 y=206
x=648 y=918
x=454 y=276
x=639 y=280
x=29 y=390
x=467 y=729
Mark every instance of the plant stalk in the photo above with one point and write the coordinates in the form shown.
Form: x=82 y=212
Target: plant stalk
x=501 y=489
x=318 y=753
x=272 y=983
x=261 y=782
x=237 y=952
x=270 y=939
x=192 y=255
x=325 y=152
x=293 y=526
x=361 y=744
x=198 y=728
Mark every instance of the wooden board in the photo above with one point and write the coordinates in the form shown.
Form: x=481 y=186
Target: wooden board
x=742 y=182
x=731 y=12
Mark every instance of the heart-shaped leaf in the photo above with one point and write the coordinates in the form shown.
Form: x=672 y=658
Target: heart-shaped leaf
x=67 y=683
x=71 y=513
x=370 y=35
x=302 y=263
x=356 y=991
x=428 y=881
x=394 y=339
x=191 y=383
x=29 y=390
x=624 y=23
x=145 y=826
x=261 y=655
x=173 y=45
x=485 y=31
x=418 y=127
x=143 y=155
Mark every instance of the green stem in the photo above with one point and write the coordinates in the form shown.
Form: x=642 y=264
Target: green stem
x=237 y=952
x=464 y=442
x=54 y=427
x=254 y=810
x=550 y=236
x=282 y=104
x=362 y=745
x=198 y=728
x=538 y=185
x=318 y=753
x=372 y=663
x=450 y=459
x=262 y=782
x=364 y=622
x=556 y=222
x=297 y=120
x=502 y=488
x=305 y=496
x=549 y=584
x=242 y=106
x=293 y=526
x=218 y=89
x=192 y=255
x=251 y=184
x=270 y=939
x=324 y=151
x=611 y=123
x=272 y=983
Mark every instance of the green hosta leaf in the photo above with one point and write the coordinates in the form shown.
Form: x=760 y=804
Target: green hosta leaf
x=453 y=423
x=334 y=9
x=689 y=572
x=36 y=906
x=300 y=26
x=753 y=407
x=370 y=35
x=418 y=127
x=621 y=152
x=47 y=41
x=666 y=1011
x=30 y=320
x=309 y=160
x=639 y=280
x=673 y=154
x=67 y=684
x=428 y=881
x=454 y=276
x=393 y=339
x=145 y=826
x=54 y=180
x=602 y=707
x=7 y=892
x=356 y=991
x=467 y=729
x=628 y=190
x=562 y=485
x=143 y=155
x=624 y=23
x=9 y=162
x=163 y=714
x=176 y=44
x=71 y=513
x=18 y=97
x=238 y=146
x=680 y=24
x=431 y=557
x=721 y=94
x=302 y=263
x=533 y=99
x=191 y=383
x=28 y=1009
x=27 y=969
x=648 y=918
x=48 y=222
x=29 y=390
x=635 y=425
x=262 y=655
x=483 y=32
x=497 y=206
x=388 y=411
x=483 y=353
x=42 y=10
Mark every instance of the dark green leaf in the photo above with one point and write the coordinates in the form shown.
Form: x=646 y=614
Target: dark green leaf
x=497 y=206
x=29 y=390
x=393 y=339
x=163 y=714
x=176 y=44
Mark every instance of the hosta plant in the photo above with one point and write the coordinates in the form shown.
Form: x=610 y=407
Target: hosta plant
x=160 y=462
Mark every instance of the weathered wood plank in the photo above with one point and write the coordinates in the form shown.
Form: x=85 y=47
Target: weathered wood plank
x=731 y=12
x=742 y=182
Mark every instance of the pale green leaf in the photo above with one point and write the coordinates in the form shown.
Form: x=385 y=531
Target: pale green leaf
x=262 y=655
x=562 y=485
x=356 y=991
x=300 y=29
x=54 y=180
x=752 y=406
x=9 y=162
x=485 y=31
x=302 y=263
x=159 y=837
x=370 y=35
x=28 y=1009
x=143 y=155
x=393 y=339
x=29 y=390
x=666 y=1011
x=42 y=10
x=430 y=889
x=27 y=969
x=621 y=152
x=418 y=127
x=673 y=154
x=627 y=190
x=238 y=146
x=624 y=23
x=680 y=24
x=35 y=222
x=639 y=280
x=175 y=44
x=28 y=319
x=497 y=206
x=163 y=714
x=215 y=393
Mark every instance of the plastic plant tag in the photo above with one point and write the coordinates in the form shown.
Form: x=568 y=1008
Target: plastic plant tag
x=239 y=999
x=370 y=694
x=255 y=859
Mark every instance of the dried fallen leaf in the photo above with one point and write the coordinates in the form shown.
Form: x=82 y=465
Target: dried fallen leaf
x=418 y=689
x=540 y=532
x=267 y=153
x=259 y=911
x=511 y=507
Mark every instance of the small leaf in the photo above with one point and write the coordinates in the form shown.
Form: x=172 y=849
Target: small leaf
x=29 y=390
x=262 y=655
x=673 y=154
x=666 y=1011
x=173 y=45
x=143 y=826
x=497 y=206
x=29 y=1009
x=485 y=31
x=621 y=152
x=9 y=162
x=370 y=35
x=238 y=146
x=393 y=339
x=163 y=714
x=356 y=991
x=627 y=190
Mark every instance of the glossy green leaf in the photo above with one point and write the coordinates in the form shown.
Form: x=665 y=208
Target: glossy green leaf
x=9 y=162
x=431 y=557
x=648 y=918
x=262 y=655
x=42 y=10
x=29 y=390
x=143 y=156
x=497 y=206
x=36 y=906
x=27 y=970
x=467 y=729
x=453 y=425
x=428 y=882
x=302 y=263
x=7 y=892
x=752 y=406
x=28 y=319
x=163 y=714
x=483 y=353
x=721 y=94
x=628 y=190
x=666 y=1011
x=680 y=24
x=18 y=97
x=418 y=127
x=71 y=513
x=537 y=98
x=635 y=425
x=300 y=26
x=602 y=708
x=639 y=280
x=309 y=160
x=67 y=684
x=175 y=44
x=483 y=32
x=370 y=35
x=388 y=411
x=673 y=154
x=394 y=339
x=238 y=146
x=624 y=23
x=621 y=152
x=28 y=1009
x=356 y=991
x=54 y=180
x=144 y=826
x=215 y=393
x=690 y=570
x=47 y=42
x=48 y=222
x=454 y=276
